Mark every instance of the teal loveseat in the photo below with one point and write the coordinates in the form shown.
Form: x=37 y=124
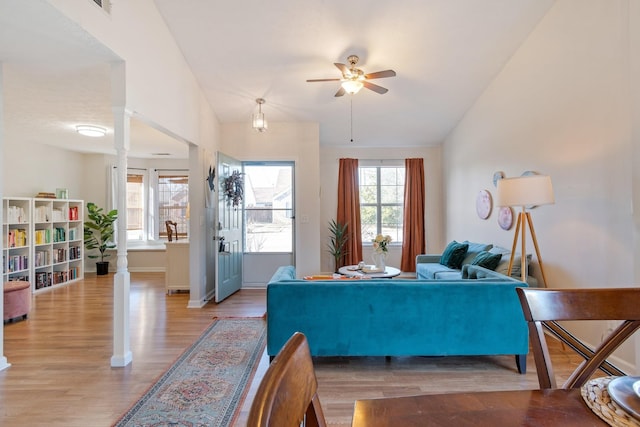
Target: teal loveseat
x=478 y=314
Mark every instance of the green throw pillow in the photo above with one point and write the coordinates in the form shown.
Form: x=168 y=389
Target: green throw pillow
x=487 y=260
x=454 y=254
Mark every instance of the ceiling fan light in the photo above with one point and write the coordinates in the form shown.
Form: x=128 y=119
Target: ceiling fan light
x=352 y=86
x=90 y=130
x=259 y=123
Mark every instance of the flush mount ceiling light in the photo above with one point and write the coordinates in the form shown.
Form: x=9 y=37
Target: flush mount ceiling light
x=90 y=130
x=259 y=122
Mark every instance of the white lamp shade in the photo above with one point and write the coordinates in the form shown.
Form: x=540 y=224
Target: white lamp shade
x=532 y=190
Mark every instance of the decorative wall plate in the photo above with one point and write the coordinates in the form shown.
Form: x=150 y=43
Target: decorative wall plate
x=505 y=217
x=496 y=177
x=484 y=204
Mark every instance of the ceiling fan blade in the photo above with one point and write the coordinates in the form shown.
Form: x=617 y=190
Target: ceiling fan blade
x=379 y=89
x=340 y=92
x=343 y=68
x=323 y=80
x=380 y=74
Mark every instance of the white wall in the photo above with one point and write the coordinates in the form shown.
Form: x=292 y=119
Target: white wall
x=297 y=142
x=26 y=174
x=561 y=106
x=329 y=165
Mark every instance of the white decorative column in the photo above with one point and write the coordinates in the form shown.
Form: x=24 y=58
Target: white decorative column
x=3 y=360
x=122 y=355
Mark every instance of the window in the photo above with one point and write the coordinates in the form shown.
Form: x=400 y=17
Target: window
x=153 y=197
x=381 y=201
x=135 y=206
x=173 y=203
x=268 y=207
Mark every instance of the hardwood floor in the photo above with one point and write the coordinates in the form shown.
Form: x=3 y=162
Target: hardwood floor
x=61 y=373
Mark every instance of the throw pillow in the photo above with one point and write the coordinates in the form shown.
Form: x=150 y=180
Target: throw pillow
x=503 y=265
x=474 y=249
x=454 y=254
x=487 y=260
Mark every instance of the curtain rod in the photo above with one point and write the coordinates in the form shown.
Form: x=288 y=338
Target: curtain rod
x=172 y=170
x=134 y=169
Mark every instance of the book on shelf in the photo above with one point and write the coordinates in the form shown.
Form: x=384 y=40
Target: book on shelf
x=42 y=237
x=73 y=233
x=18 y=263
x=45 y=195
x=73 y=213
x=59 y=235
x=15 y=215
x=41 y=214
x=16 y=238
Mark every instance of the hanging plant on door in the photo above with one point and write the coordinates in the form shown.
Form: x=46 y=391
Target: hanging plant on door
x=233 y=188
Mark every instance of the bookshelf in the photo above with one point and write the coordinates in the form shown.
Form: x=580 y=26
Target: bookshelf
x=57 y=242
x=16 y=239
x=42 y=241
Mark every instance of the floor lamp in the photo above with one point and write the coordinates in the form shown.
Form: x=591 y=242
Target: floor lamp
x=525 y=192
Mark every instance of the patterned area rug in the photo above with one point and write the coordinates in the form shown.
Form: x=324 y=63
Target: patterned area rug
x=206 y=385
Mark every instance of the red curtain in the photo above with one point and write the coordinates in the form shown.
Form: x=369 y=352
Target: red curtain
x=413 y=241
x=349 y=209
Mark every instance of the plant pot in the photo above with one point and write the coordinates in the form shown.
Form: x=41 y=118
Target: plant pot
x=102 y=268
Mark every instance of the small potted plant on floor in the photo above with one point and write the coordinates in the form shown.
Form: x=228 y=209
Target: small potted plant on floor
x=98 y=234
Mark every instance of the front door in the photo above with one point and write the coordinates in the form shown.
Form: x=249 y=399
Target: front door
x=229 y=224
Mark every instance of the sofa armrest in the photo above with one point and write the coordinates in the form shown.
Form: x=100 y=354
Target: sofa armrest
x=428 y=258
x=286 y=272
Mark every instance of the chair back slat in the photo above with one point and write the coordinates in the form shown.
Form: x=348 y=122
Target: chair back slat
x=543 y=307
x=583 y=304
x=287 y=395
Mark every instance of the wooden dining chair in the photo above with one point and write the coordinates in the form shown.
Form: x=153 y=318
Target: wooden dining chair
x=170 y=231
x=543 y=308
x=287 y=395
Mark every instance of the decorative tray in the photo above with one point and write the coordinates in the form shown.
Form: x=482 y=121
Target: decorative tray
x=368 y=269
x=624 y=391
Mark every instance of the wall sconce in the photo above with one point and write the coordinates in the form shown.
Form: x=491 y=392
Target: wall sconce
x=259 y=122
x=89 y=130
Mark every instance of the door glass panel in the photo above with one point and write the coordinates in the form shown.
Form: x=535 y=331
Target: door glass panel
x=268 y=207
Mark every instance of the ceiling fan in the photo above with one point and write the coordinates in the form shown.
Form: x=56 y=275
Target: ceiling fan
x=353 y=79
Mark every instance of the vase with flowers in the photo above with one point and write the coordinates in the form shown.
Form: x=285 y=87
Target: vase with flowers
x=380 y=251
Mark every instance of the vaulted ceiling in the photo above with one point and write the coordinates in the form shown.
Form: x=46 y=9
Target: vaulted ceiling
x=445 y=54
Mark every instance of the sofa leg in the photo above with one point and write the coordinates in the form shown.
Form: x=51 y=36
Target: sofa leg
x=521 y=363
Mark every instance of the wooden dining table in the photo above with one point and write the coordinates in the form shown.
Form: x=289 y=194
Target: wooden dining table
x=536 y=408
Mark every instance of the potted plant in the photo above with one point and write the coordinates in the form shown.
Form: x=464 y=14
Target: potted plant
x=337 y=242
x=98 y=234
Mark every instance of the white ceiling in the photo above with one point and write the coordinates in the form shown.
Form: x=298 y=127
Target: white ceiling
x=445 y=54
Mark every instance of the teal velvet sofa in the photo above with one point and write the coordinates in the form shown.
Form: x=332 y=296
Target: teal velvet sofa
x=478 y=314
x=430 y=266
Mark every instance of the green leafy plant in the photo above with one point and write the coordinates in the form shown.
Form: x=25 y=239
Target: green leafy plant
x=338 y=238
x=99 y=229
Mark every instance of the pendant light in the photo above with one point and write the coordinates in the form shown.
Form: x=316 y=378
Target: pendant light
x=259 y=122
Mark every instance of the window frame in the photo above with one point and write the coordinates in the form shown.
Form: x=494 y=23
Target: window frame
x=379 y=205
x=183 y=225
